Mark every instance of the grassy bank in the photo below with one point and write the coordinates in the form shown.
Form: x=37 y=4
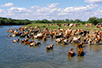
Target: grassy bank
x=82 y=26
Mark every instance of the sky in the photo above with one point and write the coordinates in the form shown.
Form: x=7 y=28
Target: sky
x=51 y=9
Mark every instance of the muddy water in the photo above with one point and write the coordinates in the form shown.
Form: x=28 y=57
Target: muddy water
x=17 y=55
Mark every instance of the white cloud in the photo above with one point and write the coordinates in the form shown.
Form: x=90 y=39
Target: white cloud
x=7 y=5
x=2 y=13
x=45 y=9
x=63 y=13
x=52 y=11
x=18 y=10
x=81 y=8
x=1 y=10
x=94 y=1
x=53 y=5
x=98 y=13
x=35 y=7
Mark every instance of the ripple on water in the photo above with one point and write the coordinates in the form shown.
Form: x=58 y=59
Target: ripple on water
x=17 y=55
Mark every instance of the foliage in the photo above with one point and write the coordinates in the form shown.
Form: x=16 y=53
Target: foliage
x=9 y=21
x=93 y=20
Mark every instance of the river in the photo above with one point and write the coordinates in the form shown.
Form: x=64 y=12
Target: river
x=17 y=55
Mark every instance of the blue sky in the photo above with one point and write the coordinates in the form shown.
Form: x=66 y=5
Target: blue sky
x=50 y=9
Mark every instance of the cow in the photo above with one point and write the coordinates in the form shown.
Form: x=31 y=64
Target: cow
x=71 y=53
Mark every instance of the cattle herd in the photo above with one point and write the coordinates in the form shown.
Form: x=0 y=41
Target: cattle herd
x=65 y=36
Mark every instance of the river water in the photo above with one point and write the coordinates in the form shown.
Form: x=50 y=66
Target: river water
x=17 y=55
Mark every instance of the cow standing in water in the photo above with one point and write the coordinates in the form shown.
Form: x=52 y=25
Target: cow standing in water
x=16 y=40
x=71 y=52
x=80 y=52
x=49 y=47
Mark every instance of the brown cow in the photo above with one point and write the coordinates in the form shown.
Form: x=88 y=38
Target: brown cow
x=89 y=24
x=25 y=40
x=44 y=38
x=79 y=45
x=80 y=52
x=50 y=47
x=16 y=40
x=28 y=42
x=35 y=43
x=71 y=53
x=9 y=35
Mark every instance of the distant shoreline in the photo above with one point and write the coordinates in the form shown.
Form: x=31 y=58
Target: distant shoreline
x=9 y=21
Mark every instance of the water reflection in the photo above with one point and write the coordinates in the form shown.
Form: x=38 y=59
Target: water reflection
x=17 y=55
x=97 y=48
x=89 y=47
x=44 y=41
x=34 y=46
x=49 y=50
x=71 y=59
x=1 y=26
x=80 y=58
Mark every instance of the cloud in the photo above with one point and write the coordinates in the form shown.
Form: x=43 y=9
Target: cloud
x=2 y=13
x=94 y=1
x=81 y=8
x=53 y=5
x=18 y=10
x=7 y=5
x=35 y=7
x=1 y=10
x=98 y=13
x=52 y=11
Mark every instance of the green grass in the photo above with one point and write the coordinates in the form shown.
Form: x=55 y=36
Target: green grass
x=42 y=24
x=89 y=28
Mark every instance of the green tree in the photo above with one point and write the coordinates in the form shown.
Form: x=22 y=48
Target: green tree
x=100 y=20
x=62 y=21
x=57 y=21
x=93 y=20
x=45 y=21
x=67 y=20
x=71 y=21
x=52 y=21
x=1 y=22
x=77 y=21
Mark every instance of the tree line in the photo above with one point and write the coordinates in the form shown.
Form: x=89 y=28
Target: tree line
x=9 y=21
